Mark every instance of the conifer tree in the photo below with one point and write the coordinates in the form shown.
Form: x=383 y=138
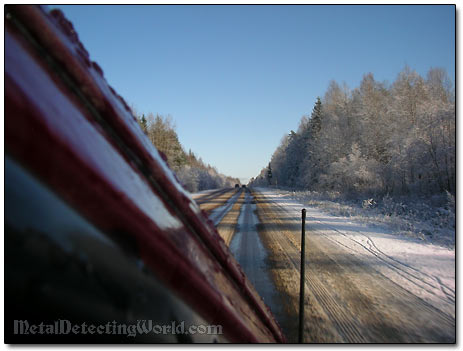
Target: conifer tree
x=316 y=117
x=269 y=174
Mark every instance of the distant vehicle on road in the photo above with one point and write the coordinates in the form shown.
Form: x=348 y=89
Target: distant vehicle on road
x=237 y=185
x=243 y=186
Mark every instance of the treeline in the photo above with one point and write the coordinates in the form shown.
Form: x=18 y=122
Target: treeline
x=192 y=172
x=379 y=138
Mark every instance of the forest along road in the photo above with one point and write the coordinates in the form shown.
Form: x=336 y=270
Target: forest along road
x=363 y=284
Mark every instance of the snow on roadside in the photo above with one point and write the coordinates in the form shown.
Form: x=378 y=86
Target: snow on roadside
x=425 y=269
x=430 y=220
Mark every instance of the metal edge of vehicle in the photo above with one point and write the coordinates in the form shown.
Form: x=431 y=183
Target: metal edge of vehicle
x=145 y=161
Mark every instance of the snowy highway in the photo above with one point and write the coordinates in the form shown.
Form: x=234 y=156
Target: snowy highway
x=364 y=284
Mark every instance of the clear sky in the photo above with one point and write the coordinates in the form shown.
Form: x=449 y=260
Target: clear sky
x=237 y=78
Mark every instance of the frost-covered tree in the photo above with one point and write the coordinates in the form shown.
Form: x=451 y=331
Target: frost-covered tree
x=380 y=138
x=316 y=117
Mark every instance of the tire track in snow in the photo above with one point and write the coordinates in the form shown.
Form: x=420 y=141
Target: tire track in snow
x=399 y=288
x=372 y=317
x=209 y=196
x=344 y=324
x=407 y=272
x=219 y=213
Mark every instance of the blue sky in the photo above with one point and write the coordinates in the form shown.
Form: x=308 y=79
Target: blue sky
x=235 y=79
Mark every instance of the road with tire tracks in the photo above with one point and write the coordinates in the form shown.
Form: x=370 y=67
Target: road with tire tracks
x=355 y=291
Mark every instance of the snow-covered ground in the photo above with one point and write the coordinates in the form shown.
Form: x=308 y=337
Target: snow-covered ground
x=429 y=219
x=424 y=269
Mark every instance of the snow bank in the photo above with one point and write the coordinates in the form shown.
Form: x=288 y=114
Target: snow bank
x=431 y=220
